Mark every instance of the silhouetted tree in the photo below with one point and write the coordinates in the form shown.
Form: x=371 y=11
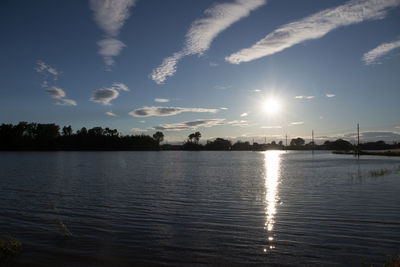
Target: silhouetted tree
x=159 y=137
x=241 y=146
x=218 y=144
x=297 y=142
x=197 y=136
x=67 y=131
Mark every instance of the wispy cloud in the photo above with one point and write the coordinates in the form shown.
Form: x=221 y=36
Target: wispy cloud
x=110 y=16
x=167 y=111
x=59 y=94
x=66 y=102
x=105 y=95
x=373 y=56
x=314 y=27
x=189 y=125
x=330 y=95
x=223 y=108
x=271 y=127
x=110 y=113
x=49 y=84
x=120 y=87
x=203 y=31
x=161 y=100
x=239 y=123
x=297 y=123
x=44 y=68
x=55 y=92
x=138 y=130
x=304 y=97
x=222 y=87
x=245 y=114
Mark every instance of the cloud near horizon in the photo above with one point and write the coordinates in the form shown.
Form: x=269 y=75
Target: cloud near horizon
x=239 y=123
x=313 y=27
x=189 y=125
x=373 y=56
x=297 y=123
x=203 y=31
x=167 y=111
x=271 y=127
x=387 y=136
x=105 y=95
x=110 y=16
x=330 y=95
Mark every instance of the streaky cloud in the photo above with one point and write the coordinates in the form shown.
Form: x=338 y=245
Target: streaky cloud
x=55 y=92
x=44 y=68
x=120 y=86
x=167 y=111
x=271 y=127
x=314 y=27
x=52 y=90
x=297 y=123
x=203 y=31
x=330 y=95
x=110 y=16
x=139 y=130
x=373 y=56
x=110 y=113
x=239 y=123
x=161 y=100
x=59 y=94
x=66 y=102
x=189 y=125
x=245 y=114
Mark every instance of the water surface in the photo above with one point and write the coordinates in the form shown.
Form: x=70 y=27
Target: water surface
x=183 y=208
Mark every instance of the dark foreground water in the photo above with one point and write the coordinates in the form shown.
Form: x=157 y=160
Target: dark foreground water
x=185 y=208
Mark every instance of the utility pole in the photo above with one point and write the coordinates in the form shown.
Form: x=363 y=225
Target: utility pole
x=286 y=143
x=358 y=140
x=313 y=141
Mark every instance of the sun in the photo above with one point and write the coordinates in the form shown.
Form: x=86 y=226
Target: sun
x=272 y=106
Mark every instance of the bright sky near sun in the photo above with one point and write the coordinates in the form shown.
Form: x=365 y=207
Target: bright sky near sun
x=237 y=69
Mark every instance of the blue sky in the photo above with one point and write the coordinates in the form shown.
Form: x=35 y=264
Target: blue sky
x=213 y=66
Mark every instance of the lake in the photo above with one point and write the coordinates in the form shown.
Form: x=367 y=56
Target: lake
x=194 y=208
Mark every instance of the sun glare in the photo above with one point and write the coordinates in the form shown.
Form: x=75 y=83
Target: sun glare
x=272 y=106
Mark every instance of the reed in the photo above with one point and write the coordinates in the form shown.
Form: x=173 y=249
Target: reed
x=9 y=247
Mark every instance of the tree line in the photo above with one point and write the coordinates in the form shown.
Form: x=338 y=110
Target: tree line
x=37 y=136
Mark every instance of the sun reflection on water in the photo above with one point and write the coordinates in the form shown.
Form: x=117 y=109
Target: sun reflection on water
x=272 y=177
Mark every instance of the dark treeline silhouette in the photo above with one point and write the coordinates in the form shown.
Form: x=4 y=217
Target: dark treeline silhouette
x=37 y=136
x=192 y=143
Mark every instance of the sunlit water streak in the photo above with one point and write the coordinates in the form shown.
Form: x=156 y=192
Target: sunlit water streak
x=272 y=176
